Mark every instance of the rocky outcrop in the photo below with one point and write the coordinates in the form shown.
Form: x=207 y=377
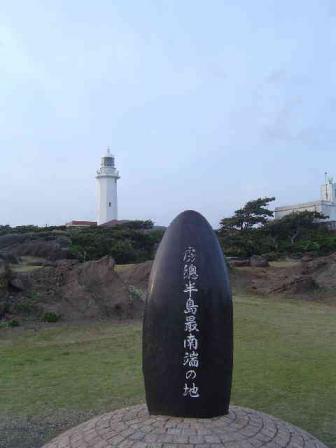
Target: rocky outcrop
x=239 y=262
x=76 y=291
x=9 y=258
x=98 y=289
x=136 y=274
x=4 y=277
x=323 y=271
x=300 y=284
x=258 y=261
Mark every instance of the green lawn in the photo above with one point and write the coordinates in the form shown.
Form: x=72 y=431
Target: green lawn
x=285 y=263
x=58 y=375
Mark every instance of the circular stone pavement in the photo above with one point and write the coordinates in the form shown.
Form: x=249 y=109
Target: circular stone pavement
x=134 y=428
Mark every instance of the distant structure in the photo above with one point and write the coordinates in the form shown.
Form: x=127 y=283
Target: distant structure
x=81 y=224
x=107 y=201
x=107 y=176
x=326 y=205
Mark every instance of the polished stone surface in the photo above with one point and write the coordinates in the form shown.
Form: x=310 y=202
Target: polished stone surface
x=134 y=428
x=187 y=331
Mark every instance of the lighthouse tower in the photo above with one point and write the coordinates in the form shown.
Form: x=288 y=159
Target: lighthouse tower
x=107 y=177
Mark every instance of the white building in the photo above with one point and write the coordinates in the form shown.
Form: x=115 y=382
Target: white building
x=326 y=205
x=107 y=176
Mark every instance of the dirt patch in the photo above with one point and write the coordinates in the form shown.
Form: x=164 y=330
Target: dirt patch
x=308 y=279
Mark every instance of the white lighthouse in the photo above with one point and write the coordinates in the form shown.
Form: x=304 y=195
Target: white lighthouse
x=107 y=177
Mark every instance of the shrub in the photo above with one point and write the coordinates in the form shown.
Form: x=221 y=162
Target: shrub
x=9 y=323
x=127 y=243
x=13 y=323
x=26 y=307
x=51 y=317
x=271 y=256
x=136 y=293
x=130 y=242
x=33 y=295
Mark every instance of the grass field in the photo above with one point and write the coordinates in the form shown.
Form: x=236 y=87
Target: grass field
x=57 y=375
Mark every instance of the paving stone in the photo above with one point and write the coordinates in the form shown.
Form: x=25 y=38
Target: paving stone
x=134 y=428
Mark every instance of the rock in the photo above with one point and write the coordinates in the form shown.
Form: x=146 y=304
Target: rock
x=17 y=284
x=91 y=290
x=48 y=263
x=4 y=275
x=3 y=309
x=136 y=275
x=240 y=263
x=92 y=270
x=64 y=263
x=187 y=331
x=298 y=285
x=3 y=267
x=258 y=261
x=9 y=258
x=9 y=240
x=304 y=284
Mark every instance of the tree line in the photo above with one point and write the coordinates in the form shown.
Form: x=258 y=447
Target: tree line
x=252 y=230
x=129 y=242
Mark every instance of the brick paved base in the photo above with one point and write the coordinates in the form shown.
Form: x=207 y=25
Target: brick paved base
x=134 y=428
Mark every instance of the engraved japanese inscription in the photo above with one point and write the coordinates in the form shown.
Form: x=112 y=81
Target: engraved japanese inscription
x=187 y=331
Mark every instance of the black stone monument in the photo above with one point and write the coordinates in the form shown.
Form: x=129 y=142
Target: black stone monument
x=187 y=332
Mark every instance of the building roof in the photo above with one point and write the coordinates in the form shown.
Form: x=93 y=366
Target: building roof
x=300 y=205
x=81 y=223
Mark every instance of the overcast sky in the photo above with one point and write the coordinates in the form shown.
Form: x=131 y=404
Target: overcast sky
x=205 y=104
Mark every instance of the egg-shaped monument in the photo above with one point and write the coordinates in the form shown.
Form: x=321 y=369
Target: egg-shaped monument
x=187 y=330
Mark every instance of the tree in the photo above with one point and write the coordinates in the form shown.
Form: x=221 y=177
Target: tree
x=294 y=225
x=241 y=234
x=252 y=231
x=254 y=214
x=137 y=224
